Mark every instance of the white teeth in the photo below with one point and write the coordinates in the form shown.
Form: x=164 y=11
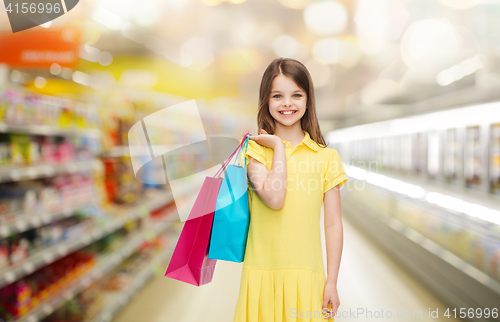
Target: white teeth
x=288 y=112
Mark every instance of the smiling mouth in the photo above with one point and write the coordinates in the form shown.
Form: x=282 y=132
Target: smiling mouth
x=287 y=112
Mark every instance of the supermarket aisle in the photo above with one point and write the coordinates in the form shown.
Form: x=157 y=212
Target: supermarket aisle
x=165 y=299
x=368 y=280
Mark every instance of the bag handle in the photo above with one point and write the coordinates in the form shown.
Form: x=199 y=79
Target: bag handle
x=229 y=181
x=246 y=146
x=230 y=190
x=226 y=163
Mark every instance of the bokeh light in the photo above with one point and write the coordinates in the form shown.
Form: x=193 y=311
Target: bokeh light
x=295 y=4
x=429 y=42
x=381 y=20
x=327 y=51
x=325 y=17
x=461 y=4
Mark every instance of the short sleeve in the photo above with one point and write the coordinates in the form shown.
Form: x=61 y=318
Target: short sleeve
x=256 y=151
x=335 y=173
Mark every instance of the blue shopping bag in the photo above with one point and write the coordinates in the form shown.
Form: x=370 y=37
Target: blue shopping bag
x=232 y=217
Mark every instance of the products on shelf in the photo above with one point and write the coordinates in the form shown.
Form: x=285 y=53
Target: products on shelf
x=16 y=200
x=485 y=254
x=16 y=300
x=473 y=171
x=22 y=296
x=495 y=159
x=120 y=182
x=81 y=308
x=28 y=150
x=467 y=240
x=29 y=198
x=59 y=204
x=18 y=106
x=17 y=248
x=92 y=301
x=165 y=211
x=4 y=253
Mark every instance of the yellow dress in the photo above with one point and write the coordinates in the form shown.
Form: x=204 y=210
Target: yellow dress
x=283 y=277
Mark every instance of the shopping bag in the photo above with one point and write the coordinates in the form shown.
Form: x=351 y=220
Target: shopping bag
x=189 y=262
x=232 y=218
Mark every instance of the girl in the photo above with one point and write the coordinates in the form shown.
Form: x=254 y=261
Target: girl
x=290 y=173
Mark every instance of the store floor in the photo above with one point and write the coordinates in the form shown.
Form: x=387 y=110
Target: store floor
x=369 y=280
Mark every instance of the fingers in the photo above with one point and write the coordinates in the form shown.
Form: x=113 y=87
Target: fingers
x=256 y=137
x=325 y=310
x=328 y=313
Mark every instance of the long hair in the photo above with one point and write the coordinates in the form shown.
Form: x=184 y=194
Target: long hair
x=296 y=71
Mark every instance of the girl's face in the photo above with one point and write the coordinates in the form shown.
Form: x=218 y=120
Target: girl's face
x=287 y=103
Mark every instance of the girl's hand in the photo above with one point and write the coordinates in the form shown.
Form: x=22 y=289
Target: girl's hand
x=267 y=140
x=330 y=296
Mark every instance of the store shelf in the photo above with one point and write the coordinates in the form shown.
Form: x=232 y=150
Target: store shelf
x=469 y=209
x=45 y=170
x=55 y=252
x=47 y=130
x=446 y=215
x=104 y=266
x=458 y=283
x=122 y=298
x=26 y=222
x=437 y=250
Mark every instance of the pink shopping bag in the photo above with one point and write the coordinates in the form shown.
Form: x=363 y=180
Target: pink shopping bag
x=190 y=262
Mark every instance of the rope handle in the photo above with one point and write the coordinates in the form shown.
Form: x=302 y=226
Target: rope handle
x=246 y=147
x=226 y=163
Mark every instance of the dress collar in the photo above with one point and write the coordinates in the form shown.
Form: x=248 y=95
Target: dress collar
x=307 y=141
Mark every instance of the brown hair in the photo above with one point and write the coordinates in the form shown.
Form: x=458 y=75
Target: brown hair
x=296 y=71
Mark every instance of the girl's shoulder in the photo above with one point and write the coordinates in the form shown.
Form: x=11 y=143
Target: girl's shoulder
x=329 y=155
x=325 y=151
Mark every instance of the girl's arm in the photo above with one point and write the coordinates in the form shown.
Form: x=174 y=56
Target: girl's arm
x=270 y=185
x=334 y=243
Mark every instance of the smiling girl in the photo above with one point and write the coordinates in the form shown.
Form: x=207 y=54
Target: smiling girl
x=291 y=172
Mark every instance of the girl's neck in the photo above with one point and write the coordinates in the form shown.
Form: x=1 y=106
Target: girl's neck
x=293 y=134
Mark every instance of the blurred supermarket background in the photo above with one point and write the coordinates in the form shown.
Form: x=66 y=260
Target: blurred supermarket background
x=406 y=90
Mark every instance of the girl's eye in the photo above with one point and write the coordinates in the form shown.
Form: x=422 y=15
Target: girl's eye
x=298 y=95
